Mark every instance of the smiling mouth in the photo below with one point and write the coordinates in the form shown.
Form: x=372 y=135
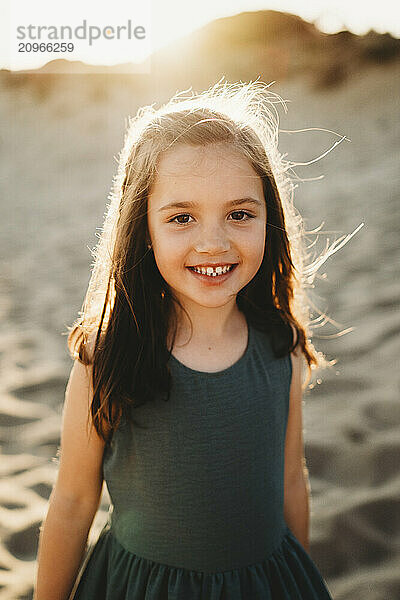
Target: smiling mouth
x=213 y=272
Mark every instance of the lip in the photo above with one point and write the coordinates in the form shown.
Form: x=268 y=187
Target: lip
x=209 y=279
x=224 y=264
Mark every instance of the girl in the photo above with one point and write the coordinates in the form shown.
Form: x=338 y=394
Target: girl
x=188 y=371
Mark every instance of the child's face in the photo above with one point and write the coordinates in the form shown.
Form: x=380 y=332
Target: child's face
x=212 y=231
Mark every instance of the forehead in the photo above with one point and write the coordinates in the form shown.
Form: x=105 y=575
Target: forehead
x=214 y=167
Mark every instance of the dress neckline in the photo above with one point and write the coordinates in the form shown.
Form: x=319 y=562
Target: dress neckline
x=223 y=372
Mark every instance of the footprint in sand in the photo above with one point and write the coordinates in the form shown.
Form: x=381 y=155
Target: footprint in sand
x=321 y=460
x=43 y=489
x=23 y=544
x=49 y=391
x=365 y=534
x=7 y=420
x=12 y=505
x=382 y=414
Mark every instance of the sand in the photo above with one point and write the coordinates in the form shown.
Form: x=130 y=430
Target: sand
x=59 y=142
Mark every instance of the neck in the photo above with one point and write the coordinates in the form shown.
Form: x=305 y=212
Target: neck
x=210 y=325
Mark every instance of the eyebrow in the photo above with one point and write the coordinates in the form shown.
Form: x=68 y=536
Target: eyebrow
x=189 y=204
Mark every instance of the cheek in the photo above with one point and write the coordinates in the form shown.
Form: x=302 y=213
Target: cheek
x=255 y=255
x=254 y=244
x=168 y=257
x=172 y=245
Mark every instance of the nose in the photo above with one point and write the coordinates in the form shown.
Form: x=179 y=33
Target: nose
x=212 y=242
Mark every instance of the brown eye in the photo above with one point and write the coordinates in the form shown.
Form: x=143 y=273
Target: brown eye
x=180 y=217
x=243 y=212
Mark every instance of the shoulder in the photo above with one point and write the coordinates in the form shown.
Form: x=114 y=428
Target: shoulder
x=84 y=369
x=85 y=354
x=297 y=352
x=296 y=358
x=273 y=360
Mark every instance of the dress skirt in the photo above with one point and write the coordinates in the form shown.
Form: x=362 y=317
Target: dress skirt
x=111 y=572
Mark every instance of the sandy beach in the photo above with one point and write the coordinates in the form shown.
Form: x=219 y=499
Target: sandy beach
x=60 y=138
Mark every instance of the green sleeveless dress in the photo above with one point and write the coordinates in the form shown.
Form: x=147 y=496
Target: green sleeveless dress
x=197 y=488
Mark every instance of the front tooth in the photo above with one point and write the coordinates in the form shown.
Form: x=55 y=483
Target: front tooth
x=210 y=271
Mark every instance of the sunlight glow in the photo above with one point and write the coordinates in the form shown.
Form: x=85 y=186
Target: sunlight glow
x=174 y=19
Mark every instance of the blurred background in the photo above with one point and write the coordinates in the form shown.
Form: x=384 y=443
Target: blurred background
x=337 y=67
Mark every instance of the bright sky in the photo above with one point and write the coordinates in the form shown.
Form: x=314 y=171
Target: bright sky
x=169 y=20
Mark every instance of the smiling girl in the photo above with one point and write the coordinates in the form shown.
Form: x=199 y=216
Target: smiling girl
x=209 y=254
x=188 y=366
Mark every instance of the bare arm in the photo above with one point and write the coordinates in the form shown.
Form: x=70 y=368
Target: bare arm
x=297 y=486
x=62 y=547
x=297 y=512
x=75 y=497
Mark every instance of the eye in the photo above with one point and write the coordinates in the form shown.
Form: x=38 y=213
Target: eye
x=179 y=217
x=243 y=212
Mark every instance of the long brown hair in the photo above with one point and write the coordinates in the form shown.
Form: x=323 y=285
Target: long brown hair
x=128 y=307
